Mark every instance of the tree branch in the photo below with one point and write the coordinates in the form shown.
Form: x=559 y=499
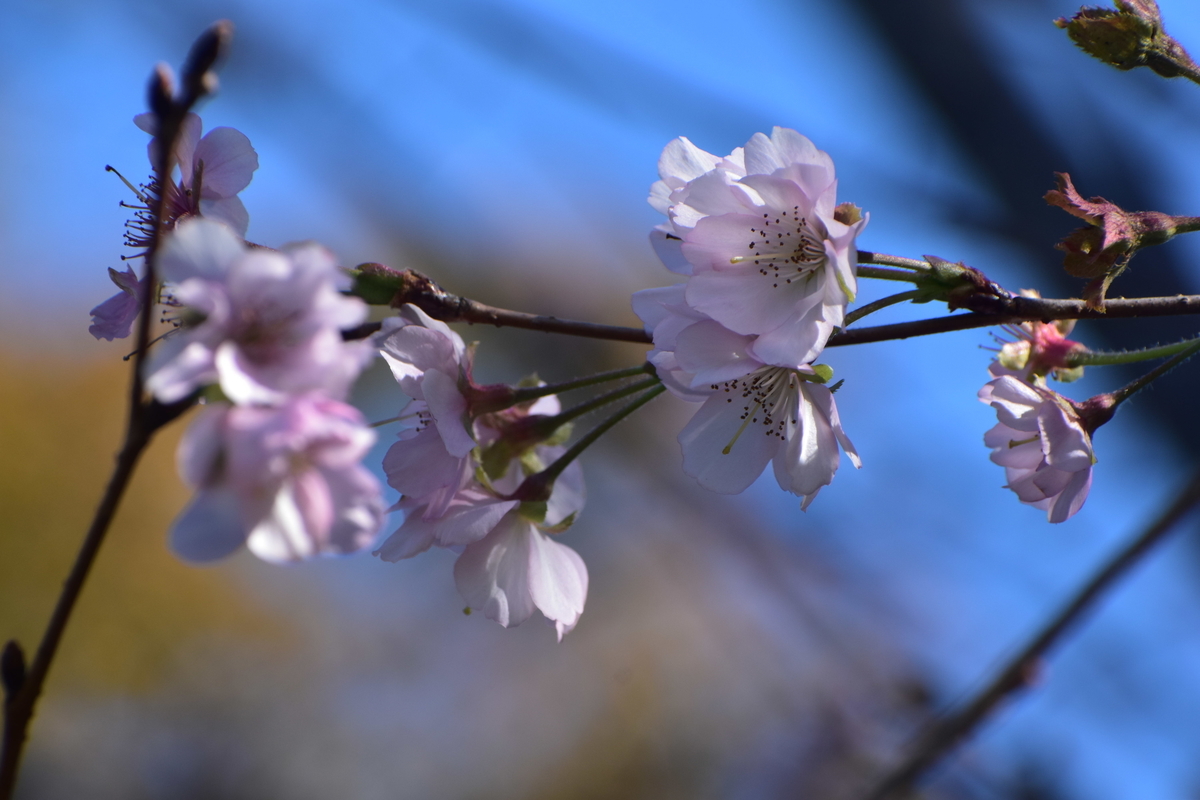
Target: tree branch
x=948 y=731
x=381 y=285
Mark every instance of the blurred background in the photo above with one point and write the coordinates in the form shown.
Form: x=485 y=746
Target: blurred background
x=732 y=647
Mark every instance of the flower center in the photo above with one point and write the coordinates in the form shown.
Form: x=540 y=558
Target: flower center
x=785 y=248
x=769 y=396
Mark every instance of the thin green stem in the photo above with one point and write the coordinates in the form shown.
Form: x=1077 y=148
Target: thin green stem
x=883 y=259
x=549 y=425
x=526 y=393
x=885 y=274
x=1132 y=388
x=882 y=303
x=537 y=487
x=1091 y=359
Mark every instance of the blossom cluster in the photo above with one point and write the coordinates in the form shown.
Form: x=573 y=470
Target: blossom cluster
x=770 y=262
x=1041 y=439
x=769 y=265
x=458 y=472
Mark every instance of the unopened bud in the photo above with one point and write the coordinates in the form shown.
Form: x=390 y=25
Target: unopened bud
x=1102 y=250
x=1128 y=36
x=161 y=92
x=208 y=50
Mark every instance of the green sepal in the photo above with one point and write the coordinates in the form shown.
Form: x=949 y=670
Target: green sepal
x=823 y=373
x=376 y=284
x=535 y=512
x=1067 y=375
x=566 y=523
x=531 y=463
x=213 y=394
x=561 y=435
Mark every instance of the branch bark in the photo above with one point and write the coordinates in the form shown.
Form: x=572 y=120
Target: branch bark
x=947 y=732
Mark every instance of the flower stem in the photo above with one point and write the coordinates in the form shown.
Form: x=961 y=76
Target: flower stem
x=867 y=257
x=548 y=425
x=537 y=487
x=885 y=274
x=878 y=305
x=1090 y=359
x=526 y=393
x=1132 y=388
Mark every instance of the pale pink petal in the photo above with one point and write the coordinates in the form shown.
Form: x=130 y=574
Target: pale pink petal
x=199 y=248
x=419 y=465
x=210 y=528
x=228 y=210
x=683 y=161
x=449 y=408
x=713 y=353
x=1066 y=444
x=558 y=582
x=229 y=162
x=719 y=426
x=667 y=248
x=1072 y=497
x=492 y=574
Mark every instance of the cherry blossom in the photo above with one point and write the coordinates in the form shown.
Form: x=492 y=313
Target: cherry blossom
x=758 y=233
x=518 y=568
x=1043 y=445
x=509 y=564
x=452 y=501
x=432 y=365
x=113 y=319
x=285 y=481
x=222 y=163
x=262 y=324
x=753 y=413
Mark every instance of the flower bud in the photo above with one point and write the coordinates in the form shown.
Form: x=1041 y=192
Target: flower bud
x=161 y=92
x=210 y=48
x=1131 y=35
x=1102 y=250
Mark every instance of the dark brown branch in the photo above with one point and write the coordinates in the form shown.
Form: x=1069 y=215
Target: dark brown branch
x=952 y=728
x=22 y=689
x=447 y=307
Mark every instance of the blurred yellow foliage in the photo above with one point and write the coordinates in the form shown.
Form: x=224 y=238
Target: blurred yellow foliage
x=61 y=420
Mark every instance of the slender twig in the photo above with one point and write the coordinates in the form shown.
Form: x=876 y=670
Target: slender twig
x=1090 y=358
x=886 y=274
x=524 y=394
x=953 y=727
x=987 y=310
x=880 y=304
x=883 y=259
x=538 y=486
x=23 y=688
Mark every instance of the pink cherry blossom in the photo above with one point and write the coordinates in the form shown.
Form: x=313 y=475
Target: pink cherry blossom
x=1042 y=444
x=450 y=502
x=518 y=568
x=753 y=413
x=286 y=481
x=262 y=324
x=758 y=234
x=113 y=319
x=432 y=364
x=509 y=565
x=222 y=162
